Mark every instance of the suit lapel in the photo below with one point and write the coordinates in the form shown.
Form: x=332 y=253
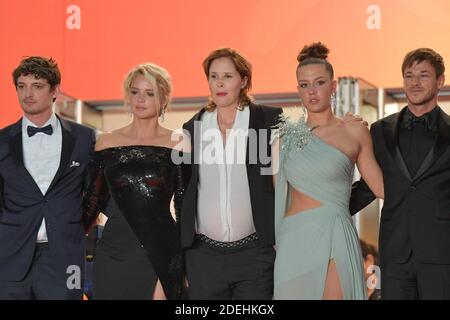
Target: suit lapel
x=16 y=149
x=68 y=143
x=255 y=122
x=196 y=133
x=441 y=144
x=253 y=160
x=392 y=142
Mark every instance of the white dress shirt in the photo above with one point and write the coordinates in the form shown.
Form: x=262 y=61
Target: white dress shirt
x=224 y=206
x=41 y=157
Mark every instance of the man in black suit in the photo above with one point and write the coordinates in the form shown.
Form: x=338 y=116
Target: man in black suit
x=413 y=150
x=42 y=169
x=227 y=218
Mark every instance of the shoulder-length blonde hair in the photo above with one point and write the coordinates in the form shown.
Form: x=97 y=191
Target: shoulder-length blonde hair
x=243 y=67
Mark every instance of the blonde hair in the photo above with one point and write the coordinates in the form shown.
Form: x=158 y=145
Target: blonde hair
x=158 y=77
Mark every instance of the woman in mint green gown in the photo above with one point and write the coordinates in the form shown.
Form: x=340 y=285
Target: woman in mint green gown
x=318 y=252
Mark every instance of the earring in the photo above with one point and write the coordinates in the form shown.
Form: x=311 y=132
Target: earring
x=130 y=114
x=333 y=101
x=161 y=116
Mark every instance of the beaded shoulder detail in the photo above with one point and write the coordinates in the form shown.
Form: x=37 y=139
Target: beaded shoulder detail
x=294 y=135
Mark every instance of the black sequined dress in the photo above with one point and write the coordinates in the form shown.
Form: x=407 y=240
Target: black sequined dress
x=140 y=242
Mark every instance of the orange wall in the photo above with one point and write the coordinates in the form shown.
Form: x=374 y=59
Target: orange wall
x=117 y=34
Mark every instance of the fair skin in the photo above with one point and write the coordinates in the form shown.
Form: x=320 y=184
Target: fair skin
x=144 y=130
x=421 y=87
x=352 y=138
x=225 y=85
x=36 y=98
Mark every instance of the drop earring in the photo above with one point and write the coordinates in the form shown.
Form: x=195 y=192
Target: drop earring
x=333 y=101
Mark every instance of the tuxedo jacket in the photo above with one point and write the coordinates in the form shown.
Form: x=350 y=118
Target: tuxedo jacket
x=416 y=214
x=261 y=186
x=23 y=206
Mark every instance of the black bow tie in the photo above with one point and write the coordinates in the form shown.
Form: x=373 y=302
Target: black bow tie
x=33 y=130
x=411 y=121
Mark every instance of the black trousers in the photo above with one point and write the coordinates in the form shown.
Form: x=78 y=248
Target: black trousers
x=244 y=273
x=414 y=280
x=42 y=281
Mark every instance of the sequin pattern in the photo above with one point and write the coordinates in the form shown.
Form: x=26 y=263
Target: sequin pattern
x=295 y=135
x=141 y=181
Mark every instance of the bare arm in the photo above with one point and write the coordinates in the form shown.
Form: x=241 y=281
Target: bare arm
x=367 y=164
x=104 y=141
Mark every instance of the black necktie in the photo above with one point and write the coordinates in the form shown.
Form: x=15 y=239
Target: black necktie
x=33 y=130
x=411 y=121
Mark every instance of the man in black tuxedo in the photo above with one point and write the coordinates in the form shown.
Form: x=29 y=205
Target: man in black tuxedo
x=42 y=169
x=413 y=150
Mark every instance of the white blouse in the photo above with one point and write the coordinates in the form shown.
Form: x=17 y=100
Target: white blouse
x=224 y=206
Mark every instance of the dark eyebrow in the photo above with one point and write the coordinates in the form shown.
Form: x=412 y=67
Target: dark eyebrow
x=36 y=82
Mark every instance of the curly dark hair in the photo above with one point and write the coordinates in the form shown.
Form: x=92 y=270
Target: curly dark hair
x=41 y=68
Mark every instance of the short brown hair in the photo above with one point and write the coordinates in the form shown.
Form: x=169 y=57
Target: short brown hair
x=41 y=68
x=424 y=54
x=367 y=249
x=243 y=67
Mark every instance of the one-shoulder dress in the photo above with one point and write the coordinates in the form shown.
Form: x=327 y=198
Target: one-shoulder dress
x=308 y=240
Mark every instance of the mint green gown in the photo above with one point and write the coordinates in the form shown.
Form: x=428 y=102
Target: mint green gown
x=308 y=240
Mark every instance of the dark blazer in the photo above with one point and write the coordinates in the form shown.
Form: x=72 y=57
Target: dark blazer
x=22 y=205
x=261 y=186
x=416 y=211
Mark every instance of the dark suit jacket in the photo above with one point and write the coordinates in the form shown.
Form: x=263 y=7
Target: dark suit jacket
x=416 y=211
x=22 y=205
x=261 y=186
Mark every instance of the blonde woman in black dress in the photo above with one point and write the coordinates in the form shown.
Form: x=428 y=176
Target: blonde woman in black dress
x=133 y=169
